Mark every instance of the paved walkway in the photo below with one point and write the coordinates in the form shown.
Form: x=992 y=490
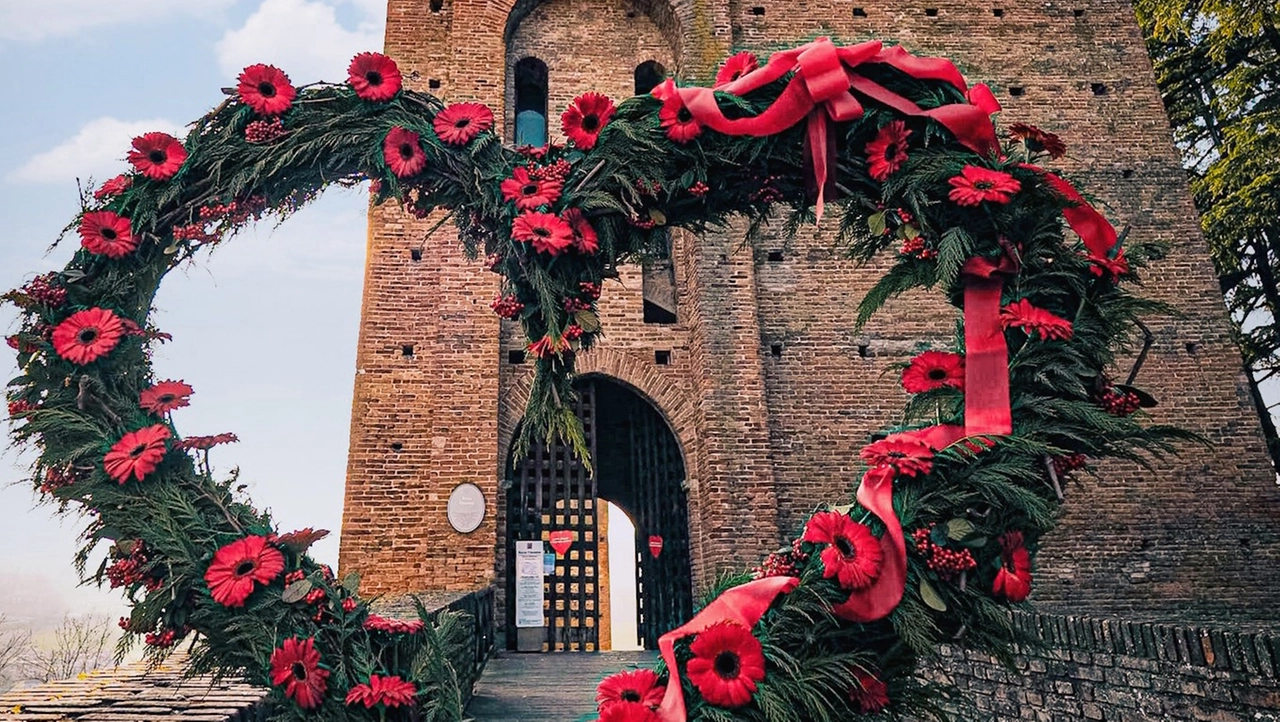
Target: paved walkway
x=557 y=687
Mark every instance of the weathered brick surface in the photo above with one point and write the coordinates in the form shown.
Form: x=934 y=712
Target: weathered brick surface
x=1087 y=668
x=767 y=436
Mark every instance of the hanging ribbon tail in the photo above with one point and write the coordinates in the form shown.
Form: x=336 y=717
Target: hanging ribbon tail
x=1099 y=236
x=819 y=153
x=744 y=604
x=875 y=494
x=986 y=360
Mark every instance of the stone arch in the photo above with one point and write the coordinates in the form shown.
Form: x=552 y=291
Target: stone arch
x=663 y=13
x=628 y=370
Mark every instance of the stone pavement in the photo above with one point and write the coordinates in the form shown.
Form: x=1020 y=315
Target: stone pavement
x=558 y=687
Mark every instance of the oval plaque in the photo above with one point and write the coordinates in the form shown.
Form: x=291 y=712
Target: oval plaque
x=466 y=508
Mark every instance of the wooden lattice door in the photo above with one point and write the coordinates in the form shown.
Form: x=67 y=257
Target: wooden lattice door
x=552 y=491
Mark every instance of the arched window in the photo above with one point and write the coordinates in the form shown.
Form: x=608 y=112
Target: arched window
x=648 y=75
x=531 y=102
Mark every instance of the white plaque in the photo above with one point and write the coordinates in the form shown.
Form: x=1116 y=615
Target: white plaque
x=529 y=592
x=466 y=508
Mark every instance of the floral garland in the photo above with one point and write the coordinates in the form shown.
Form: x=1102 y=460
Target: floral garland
x=828 y=628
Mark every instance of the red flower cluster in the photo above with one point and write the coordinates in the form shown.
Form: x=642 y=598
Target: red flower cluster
x=585 y=118
x=137 y=453
x=402 y=150
x=906 y=455
x=674 y=117
x=266 y=89
x=547 y=232
x=918 y=248
x=871 y=694
x=948 y=563
x=506 y=306
x=374 y=77
x=388 y=691
x=736 y=66
x=1013 y=581
x=239 y=566
x=378 y=623
x=637 y=687
x=204 y=443
x=887 y=152
x=1035 y=320
x=113 y=187
x=106 y=233
x=852 y=555
x=1038 y=140
x=933 y=370
x=546 y=347
x=295 y=665
x=264 y=131
x=165 y=397
x=727 y=663
x=976 y=184
x=529 y=193
x=158 y=156
x=459 y=123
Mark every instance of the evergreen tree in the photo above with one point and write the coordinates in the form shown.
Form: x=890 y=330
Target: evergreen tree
x=1218 y=66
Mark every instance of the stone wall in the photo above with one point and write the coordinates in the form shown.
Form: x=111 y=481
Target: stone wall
x=1086 y=668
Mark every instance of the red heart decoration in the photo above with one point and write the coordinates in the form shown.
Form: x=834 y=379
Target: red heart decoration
x=655 y=545
x=561 y=540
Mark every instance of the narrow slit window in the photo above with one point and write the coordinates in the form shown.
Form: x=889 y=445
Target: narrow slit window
x=531 y=102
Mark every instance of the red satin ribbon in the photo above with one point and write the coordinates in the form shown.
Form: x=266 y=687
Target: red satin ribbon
x=1099 y=236
x=744 y=604
x=825 y=86
x=875 y=494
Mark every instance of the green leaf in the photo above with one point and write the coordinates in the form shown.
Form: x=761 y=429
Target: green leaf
x=876 y=222
x=931 y=596
x=351 y=582
x=958 y=529
x=297 y=591
x=588 y=320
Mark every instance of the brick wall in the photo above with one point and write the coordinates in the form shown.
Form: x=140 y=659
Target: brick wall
x=1086 y=668
x=768 y=388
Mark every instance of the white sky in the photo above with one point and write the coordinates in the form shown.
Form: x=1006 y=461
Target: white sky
x=265 y=329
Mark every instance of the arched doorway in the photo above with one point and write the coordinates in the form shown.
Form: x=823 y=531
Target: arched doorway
x=640 y=468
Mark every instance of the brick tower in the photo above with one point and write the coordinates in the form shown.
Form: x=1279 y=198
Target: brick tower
x=746 y=352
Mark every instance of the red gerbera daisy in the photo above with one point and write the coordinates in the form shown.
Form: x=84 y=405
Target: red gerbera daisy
x=530 y=193
x=1013 y=581
x=736 y=66
x=853 y=553
x=238 y=566
x=392 y=626
x=87 y=336
x=727 y=662
x=137 y=453
x=1038 y=140
x=266 y=89
x=933 y=370
x=909 y=457
x=1035 y=320
x=1107 y=266
x=403 y=152
x=674 y=117
x=165 y=397
x=107 y=234
x=976 y=184
x=585 y=239
x=585 y=118
x=871 y=694
x=546 y=231
x=888 y=151
x=374 y=77
x=640 y=685
x=460 y=122
x=157 y=156
x=295 y=665
x=113 y=187
x=390 y=691
x=628 y=712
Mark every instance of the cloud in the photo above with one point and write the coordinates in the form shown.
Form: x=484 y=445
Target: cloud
x=30 y=21
x=303 y=38
x=98 y=150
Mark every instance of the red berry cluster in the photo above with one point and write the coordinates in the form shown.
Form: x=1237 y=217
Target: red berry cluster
x=699 y=189
x=766 y=192
x=264 y=131
x=1119 y=403
x=649 y=188
x=349 y=605
x=235 y=212
x=194 y=232
x=1063 y=465
x=315 y=596
x=917 y=248
x=506 y=306
x=41 y=289
x=645 y=223
x=492 y=261
x=573 y=305
x=166 y=638
x=947 y=563
x=783 y=563
x=132 y=569
x=294 y=576
x=58 y=478
x=21 y=406
x=558 y=170
x=591 y=289
x=573 y=332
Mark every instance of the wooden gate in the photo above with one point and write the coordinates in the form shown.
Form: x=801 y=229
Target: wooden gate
x=639 y=467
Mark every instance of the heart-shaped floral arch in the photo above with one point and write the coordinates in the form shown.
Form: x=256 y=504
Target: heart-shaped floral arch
x=898 y=148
